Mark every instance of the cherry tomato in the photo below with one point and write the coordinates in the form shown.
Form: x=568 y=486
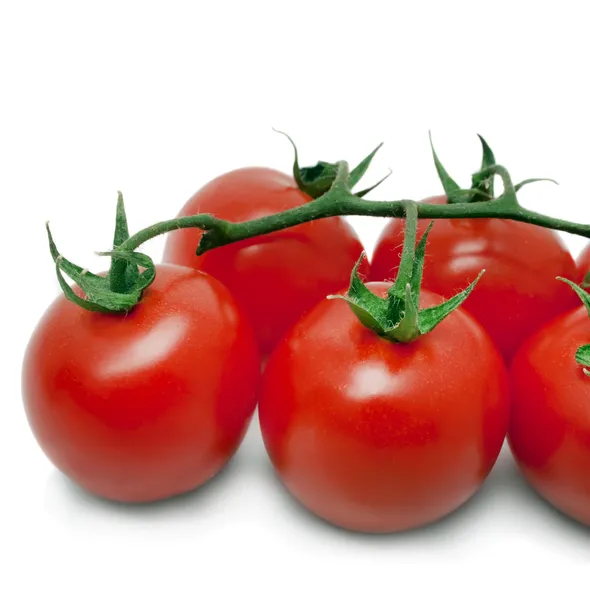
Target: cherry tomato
x=145 y=406
x=583 y=263
x=518 y=292
x=377 y=436
x=549 y=430
x=276 y=277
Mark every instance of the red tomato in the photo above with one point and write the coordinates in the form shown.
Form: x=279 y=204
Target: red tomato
x=377 y=436
x=149 y=405
x=276 y=277
x=550 y=422
x=518 y=292
x=583 y=263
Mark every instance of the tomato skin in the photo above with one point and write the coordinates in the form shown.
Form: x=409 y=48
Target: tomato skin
x=145 y=406
x=379 y=437
x=549 y=431
x=518 y=292
x=583 y=263
x=275 y=277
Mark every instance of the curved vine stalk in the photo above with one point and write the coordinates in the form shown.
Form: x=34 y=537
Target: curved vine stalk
x=340 y=201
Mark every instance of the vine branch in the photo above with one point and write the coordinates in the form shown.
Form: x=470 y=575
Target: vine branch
x=340 y=201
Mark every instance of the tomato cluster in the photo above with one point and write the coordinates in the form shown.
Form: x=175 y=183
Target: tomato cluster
x=368 y=433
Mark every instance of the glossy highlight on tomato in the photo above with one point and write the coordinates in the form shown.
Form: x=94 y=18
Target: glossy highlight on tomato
x=549 y=430
x=276 y=277
x=518 y=293
x=378 y=436
x=147 y=405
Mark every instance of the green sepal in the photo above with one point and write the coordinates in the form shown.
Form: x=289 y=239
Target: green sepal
x=366 y=191
x=398 y=316
x=359 y=171
x=136 y=259
x=583 y=358
x=71 y=295
x=431 y=317
x=486 y=186
x=98 y=295
x=408 y=327
x=450 y=186
x=520 y=185
x=317 y=180
x=583 y=352
x=582 y=293
x=121 y=227
x=122 y=274
x=370 y=310
x=481 y=188
x=418 y=268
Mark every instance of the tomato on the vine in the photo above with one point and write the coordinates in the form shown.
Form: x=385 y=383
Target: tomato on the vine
x=278 y=276
x=519 y=292
x=549 y=431
x=378 y=436
x=147 y=405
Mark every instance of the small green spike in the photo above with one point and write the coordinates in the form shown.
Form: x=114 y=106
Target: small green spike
x=357 y=173
x=368 y=190
x=582 y=293
x=121 y=227
x=416 y=279
x=122 y=274
x=450 y=186
x=520 y=185
x=429 y=318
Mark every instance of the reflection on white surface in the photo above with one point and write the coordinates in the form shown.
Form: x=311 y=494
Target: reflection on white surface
x=154 y=346
x=372 y=379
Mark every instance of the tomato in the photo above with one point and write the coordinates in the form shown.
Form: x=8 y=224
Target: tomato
x=275 y=277
x=145 y=406
x=518 y=292
x=549 y=431
x=583 y=263
x=378 y=436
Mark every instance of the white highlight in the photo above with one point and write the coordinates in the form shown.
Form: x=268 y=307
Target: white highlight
x=153 y=347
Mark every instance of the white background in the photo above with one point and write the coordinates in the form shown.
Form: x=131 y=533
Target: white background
x=157 y=98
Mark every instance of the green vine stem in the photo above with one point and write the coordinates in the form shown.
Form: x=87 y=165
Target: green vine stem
x=340 y=201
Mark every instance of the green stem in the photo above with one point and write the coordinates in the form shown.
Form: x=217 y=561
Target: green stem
x=406 y=265
x=339 y=201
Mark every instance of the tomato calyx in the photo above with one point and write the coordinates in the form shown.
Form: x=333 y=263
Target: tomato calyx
x=123 y=274
x=398 y=317
x=482 y=187
x=317 y=180
x=583 y=352
x=122 y=288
